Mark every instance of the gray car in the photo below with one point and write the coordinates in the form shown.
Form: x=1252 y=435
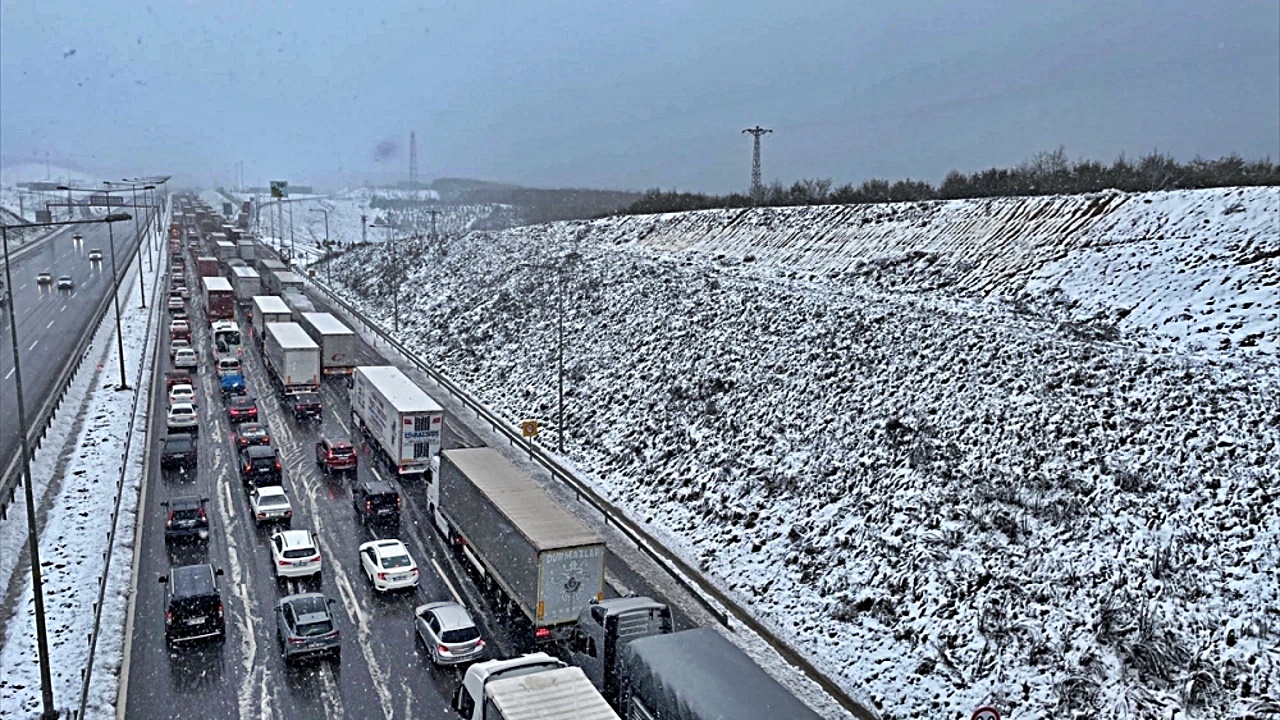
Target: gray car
x=305 y=627
x=449 y=633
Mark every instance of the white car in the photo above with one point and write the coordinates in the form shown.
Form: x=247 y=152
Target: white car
x=182 y=417
x=294 y=554
x=177 y=344
x=186 y=359
x=182 y=393
x=388 y=565
x=65 y=282
x=95 y=255
x=270 y=504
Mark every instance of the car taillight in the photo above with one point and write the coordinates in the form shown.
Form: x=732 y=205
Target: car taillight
x=443 y=650
x=382 y=576
x=368 y=505
x=296 y=641
x=397 y=501
x=542 y=633
x=314 y=558
x=288 y=513
x=202 y=514
x=283 y=563
x=262 y=514
x=168 y=617
x=277 y=465
x=219 y=609
x=248 y=468
x=415 y=571
x=169 y=520
x=480 y=643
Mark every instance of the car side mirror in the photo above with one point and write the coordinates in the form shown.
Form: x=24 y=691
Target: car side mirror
x=203 y=499
x=330 y=600
x=163 y=579
x=164 y=504
x=218 y=572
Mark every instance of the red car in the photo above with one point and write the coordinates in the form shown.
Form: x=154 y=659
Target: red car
x=335 y=455
x=242 y=409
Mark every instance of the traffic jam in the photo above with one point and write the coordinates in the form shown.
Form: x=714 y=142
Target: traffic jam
x=285 y=438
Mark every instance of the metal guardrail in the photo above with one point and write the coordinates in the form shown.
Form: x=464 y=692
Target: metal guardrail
x=44 y=416
x=706 y=594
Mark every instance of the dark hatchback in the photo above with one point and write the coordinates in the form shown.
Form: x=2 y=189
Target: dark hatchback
x=242 y=408
x=186 y=520
x=306 y=406
x=375 y=501
x=252 y=434
x=335 y=455
x=260 y=466
x=178 y=450
x=193 y=607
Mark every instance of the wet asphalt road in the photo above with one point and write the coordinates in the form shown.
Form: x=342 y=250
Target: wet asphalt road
x=383 y=670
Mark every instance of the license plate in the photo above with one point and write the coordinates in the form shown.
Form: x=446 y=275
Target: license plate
x=398 y=578
x=195 y=621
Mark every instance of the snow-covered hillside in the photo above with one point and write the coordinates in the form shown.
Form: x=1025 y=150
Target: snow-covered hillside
x=14 y=199
x=956 y=452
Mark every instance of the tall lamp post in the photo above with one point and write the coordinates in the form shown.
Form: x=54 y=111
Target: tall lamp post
x=558 y=268
x=33 y=536
x=115 y=285
x=142 y=290
x=395 y=269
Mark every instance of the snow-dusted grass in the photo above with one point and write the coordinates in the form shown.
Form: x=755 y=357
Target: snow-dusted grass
x=83 y=454
x=942 y=497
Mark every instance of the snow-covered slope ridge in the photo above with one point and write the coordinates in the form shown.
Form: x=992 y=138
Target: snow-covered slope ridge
x=1198 y=267
x=942 y=497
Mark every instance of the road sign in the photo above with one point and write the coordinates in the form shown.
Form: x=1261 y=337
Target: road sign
x=986 y=712
x=529 y=428
x=279 y=188
x=44 y=216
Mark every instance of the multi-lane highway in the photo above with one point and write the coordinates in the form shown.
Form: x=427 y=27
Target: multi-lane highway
x=50 y=321
x=383 y=671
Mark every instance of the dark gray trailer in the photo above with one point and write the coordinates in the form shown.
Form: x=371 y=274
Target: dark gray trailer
x=700 y=675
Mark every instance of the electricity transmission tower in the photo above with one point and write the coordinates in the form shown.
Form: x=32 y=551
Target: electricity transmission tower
x=413 y=159
x=757 y=191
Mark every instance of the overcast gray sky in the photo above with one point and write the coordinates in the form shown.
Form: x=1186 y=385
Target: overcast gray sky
x=631 y=95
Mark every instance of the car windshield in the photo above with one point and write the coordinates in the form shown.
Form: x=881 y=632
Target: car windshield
x=396 y=561
x=295 y=553
x=272 y=500
x=458 y=635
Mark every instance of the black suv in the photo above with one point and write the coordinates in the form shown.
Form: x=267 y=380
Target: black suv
x=375 y=501
x=186 y=520
x=193 y=607
x=306 y=406
x=178 y=450
x=259 y=466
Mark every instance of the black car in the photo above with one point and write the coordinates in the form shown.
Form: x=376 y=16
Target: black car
x=375 y=501
x=178 y=450
x=187 y=519
x=259 y=465
x=306 y=406
x=242 y=409
x=193 y=607
x=252 y=433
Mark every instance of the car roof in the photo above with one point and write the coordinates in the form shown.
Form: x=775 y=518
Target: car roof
x=187 y=350
x=192 y=580
x=259 y=451
x=181 y=438
x=388 y=547
x=182 y=406
x=335 y=441
x=249 y=427
x=184 y=502
x=186 y=385
x=377 y=487
x=451 y=615
x=244 y=400
x=266 y=490
x=307 y=604
x=296 y=538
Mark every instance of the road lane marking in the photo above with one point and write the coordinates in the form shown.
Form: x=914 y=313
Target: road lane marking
x=64 y=308
x=452 y=591
x=9 y=374
x=46 y=327
x=33 y=346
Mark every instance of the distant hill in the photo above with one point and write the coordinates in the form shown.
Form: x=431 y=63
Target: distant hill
x=535 y=205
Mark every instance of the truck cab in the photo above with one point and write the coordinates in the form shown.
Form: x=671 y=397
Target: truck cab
x=469 y=699
x=531 y=687
x=604 y=628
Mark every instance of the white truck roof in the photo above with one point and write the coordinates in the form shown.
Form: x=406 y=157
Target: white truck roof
x=549 y=695
x=399 y=390
x=326 y=323
x=217 y=283
x=244 y=271
x=289 y=276
x=270 y=304
x=291 y=335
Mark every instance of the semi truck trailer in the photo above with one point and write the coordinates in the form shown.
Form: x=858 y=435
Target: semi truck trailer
x=337 y=342
x=292 y=359
x=397 y=416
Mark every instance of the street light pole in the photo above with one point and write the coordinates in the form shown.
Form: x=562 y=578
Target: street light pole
x=142 y=287
x=115 y=286
x=560 y=344
x=33 y=536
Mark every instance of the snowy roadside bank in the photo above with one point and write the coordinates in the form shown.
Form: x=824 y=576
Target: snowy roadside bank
x=90 y=461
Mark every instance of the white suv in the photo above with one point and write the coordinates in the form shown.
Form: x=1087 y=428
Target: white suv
x=294 y=554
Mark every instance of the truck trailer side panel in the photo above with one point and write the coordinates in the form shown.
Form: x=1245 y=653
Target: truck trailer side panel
x=548 y=562
x=400 y=418
x=246 y=283
x=292 y=358
x=700 y=675
x=219 y=298
x=337 y=342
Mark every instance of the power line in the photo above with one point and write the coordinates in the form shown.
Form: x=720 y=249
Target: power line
x=757 y=191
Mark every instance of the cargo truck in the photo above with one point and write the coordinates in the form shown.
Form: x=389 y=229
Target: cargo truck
x=268 y=309
x=286 y=280
x=213 y=238
x=224 y=250
x=266 y=267
x=400 y=420
x=545 y=560
x=246 y=283
x=247 y=249
x=337 y=342
x=207 y=266
x=292 y=359
x=219 y=299
x=699 y=675
x=298 y=302
x=531 y=687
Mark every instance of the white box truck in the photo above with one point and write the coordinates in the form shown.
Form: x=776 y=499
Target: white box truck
x=224 y=250
x=286 y=279
x=337 y=342
x=247 y=249
x=531 y=687
x=398 y=417
x=268 y=309
x=292 y=359
x=545 y=560
x=246 y=283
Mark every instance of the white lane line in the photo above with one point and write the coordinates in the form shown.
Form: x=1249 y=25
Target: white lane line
x=64 y=308
x=9 y=374
x=452 y=591
x=46 y=327
x=33 y=346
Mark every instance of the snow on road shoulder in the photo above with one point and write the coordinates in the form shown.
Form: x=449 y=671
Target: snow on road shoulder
x=84 y=451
